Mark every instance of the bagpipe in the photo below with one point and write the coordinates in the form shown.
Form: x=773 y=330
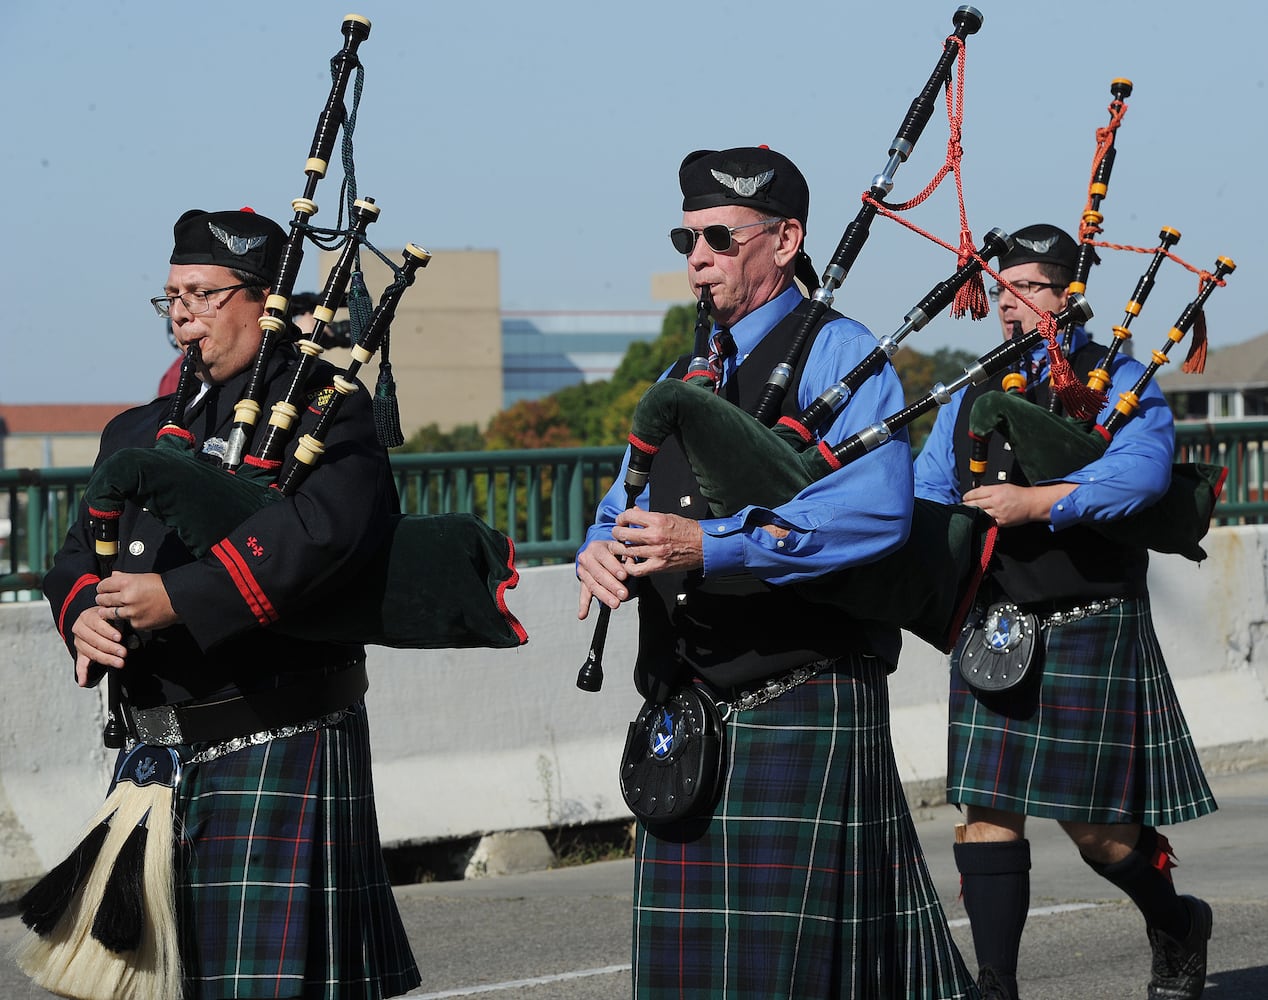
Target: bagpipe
x=928 y=584
x=1048 y=445
x=102 y=921
x=435 y=581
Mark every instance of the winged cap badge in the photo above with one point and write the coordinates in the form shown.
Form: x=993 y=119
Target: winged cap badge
x=1038 y=246
x=237 y=245
x=745 y=187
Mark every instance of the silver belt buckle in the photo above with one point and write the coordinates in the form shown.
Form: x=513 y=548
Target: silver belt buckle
x=157 y=726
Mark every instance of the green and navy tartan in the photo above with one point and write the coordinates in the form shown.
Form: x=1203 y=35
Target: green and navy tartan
x=280 y=882
x=808 y=879
x=1100 y=738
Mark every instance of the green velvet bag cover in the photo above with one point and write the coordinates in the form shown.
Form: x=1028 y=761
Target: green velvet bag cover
x=437 y=581
x=194 y=498
x=736 y=459
x=1048 y=447
x=926 y=586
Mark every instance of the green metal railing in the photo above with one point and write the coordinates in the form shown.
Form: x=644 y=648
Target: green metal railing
x=544 y=499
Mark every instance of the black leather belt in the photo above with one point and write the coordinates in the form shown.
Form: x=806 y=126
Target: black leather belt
x=215 y=720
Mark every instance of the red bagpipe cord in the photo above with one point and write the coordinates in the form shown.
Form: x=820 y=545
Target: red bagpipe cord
x=1089 y=226
x=971 y=296
x=1195 y=360
x=1080 y=401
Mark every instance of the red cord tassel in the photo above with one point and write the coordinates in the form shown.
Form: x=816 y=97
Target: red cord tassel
x=1195 y=360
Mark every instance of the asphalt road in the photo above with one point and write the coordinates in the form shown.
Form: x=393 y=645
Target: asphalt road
x=565 y=934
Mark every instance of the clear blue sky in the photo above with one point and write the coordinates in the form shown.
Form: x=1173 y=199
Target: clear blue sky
x=552 y=132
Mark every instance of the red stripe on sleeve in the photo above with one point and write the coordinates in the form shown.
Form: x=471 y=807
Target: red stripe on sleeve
x=87 y=580
x=250 y=589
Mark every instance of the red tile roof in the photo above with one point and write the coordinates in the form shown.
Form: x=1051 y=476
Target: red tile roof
x=59 y=418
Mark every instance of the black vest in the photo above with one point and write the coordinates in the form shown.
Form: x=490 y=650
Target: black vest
x=738 y=629
x=1032 y=563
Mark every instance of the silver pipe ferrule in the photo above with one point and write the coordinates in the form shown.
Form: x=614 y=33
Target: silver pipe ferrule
x=875 y=436
x=780 y=375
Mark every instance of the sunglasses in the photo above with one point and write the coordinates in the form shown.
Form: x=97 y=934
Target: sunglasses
x=718 y=237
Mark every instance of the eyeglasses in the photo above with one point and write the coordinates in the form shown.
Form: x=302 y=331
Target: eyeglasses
x=195 y=302
x=1023 y=287
x=718 y=237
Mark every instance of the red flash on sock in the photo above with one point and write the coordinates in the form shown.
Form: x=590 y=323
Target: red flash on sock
x=1164 y=858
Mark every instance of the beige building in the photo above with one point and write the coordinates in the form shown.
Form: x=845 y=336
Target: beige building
x=446 y=348
x=446 y=341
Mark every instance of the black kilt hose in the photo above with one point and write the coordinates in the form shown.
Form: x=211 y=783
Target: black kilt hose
x=281 y=888
x=1099 y=738
x=808 y=879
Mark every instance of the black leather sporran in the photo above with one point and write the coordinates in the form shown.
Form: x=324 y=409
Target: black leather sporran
x=673 y=762
x=996 y=654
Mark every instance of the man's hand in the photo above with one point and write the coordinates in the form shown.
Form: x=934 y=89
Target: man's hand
x=1011 y=505
x=140 y=599
x=96 y=641
x=602 y=576
x=643 y=543
x=659 y=542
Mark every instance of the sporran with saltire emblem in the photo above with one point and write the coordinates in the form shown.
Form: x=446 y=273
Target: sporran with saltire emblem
x=997 y=652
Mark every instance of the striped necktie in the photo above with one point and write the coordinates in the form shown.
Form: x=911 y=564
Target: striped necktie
x=722 y=346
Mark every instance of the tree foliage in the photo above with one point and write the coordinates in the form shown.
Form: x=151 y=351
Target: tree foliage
x=920 y=373
x=431 y=439
x=598 y=413
x=529 y=424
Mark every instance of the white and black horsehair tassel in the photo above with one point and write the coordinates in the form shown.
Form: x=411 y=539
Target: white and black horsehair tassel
x=42 y=905
x=115 y=937
x=120 y=918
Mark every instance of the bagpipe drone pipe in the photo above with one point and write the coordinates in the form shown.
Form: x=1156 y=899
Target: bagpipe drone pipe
x=436 y=581
x=967 y=21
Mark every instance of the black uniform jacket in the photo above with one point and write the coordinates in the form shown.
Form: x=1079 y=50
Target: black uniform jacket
x=287 y=559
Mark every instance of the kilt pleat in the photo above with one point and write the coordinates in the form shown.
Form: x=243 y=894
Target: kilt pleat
x=1099 y=738
x=808 y=879
x=281 y=885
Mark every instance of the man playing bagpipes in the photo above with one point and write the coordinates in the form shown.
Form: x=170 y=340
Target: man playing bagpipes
x=805 y=878
x=1061 y=705
x=279 y=885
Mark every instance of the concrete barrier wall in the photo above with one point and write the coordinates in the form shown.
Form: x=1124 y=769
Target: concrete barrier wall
x=473 y=741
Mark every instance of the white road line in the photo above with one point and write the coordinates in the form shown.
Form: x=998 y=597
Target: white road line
x=468 y=991
x=1038 y=911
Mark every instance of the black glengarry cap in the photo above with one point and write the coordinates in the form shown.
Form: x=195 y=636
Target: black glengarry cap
x=755 y=176
x=243 y=241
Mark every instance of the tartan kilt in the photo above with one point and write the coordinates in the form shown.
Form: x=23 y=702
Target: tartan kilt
x=281 y=889
x=1098 y=738
x=808 y=879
